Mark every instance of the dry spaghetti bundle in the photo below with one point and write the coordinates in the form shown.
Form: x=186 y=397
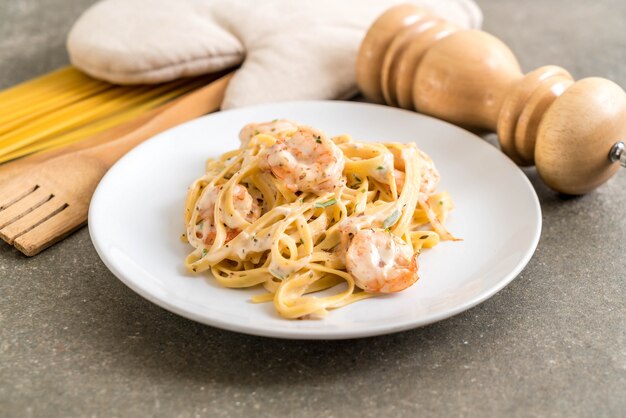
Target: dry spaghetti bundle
x=66 y=106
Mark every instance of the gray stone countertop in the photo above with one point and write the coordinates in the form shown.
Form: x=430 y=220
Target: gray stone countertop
x=75 y=341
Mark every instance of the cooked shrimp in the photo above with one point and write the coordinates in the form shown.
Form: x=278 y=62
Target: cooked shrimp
x=246 y=207
x=280 y=128
x=307 y=162
x=381 y=262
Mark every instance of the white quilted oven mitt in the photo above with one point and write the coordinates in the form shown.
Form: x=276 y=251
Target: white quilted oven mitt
x=290 y=49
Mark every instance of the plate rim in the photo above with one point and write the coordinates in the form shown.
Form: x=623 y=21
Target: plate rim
x=317 y=334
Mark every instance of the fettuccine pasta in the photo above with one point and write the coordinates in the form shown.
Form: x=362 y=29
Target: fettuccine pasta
x=317 y=222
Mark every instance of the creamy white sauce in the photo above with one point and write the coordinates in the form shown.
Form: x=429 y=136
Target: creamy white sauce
x=284 y=270
x=246 y=243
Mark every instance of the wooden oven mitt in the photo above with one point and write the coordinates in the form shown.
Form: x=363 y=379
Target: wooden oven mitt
x=304 y=49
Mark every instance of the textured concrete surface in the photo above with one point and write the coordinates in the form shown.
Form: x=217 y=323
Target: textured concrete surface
x=74 y=341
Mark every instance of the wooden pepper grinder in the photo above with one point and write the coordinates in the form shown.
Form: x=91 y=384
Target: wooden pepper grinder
x=572 y=131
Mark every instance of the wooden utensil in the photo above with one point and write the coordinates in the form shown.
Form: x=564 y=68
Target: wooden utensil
x=16 y=167
x=572 y=131
x=45 y=198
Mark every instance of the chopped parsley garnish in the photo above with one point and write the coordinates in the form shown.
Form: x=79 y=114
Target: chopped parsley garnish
x=391 y=220
x=256 y=132
x=204 y=252
x=274 y=120
x=318 y=139
x=380 y=167
x=326 y=204
x=424 y=237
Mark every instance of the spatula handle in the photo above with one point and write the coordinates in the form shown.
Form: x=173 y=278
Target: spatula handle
x=10 y=169
x=133 y=130
x=197 y=103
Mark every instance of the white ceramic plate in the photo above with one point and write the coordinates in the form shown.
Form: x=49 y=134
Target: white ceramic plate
x=135 y=221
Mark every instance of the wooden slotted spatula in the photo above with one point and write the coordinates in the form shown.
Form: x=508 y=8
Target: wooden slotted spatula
x=47 y=199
